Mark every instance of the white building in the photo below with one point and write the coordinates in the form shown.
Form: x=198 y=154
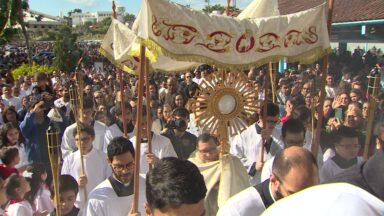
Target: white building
x=46 y=21
x=95 y=17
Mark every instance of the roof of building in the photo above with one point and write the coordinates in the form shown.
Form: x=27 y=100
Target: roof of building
x=344 y=10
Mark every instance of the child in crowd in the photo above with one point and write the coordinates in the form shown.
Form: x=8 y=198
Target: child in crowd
x=16 y=187
x=96 y=168
x=11 y=136
x=39 y=195
x=68 y=189
x=10 y=158
x=346 y=147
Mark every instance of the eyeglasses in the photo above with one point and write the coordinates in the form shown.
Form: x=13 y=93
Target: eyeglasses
x=121 y=167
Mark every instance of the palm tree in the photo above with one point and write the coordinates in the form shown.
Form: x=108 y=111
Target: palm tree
x=12 y=13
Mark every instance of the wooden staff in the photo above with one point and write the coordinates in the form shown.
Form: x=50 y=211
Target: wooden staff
x=228 y=7
x=313 y=110
x=138 y=131
x=148 y=109
x=372 y=98
x=315 y=145
x=54 y=159
x=121 y=84
x=265 y=105
x=272 y=81
x=76 y=100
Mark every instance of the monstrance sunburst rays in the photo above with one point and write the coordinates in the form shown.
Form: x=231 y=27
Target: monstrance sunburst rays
x=224 y=103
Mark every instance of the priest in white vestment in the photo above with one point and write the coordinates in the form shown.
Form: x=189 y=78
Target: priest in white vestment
x=96 y=168
x=223 y=177
x=68 y=140
x=347 y=147
x=247 y=145
x=161 y=146
x=113 y=197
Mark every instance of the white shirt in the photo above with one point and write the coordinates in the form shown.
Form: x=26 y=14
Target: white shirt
x=95 y=168
x=331 y=169
x=61 y=103
x=336 y=199
x=330 y=91
x=161 y=148
x=68 y=144
x=13 y=101
x=23 y=156
x=103 y=200
x=43 y=200
x=27 y=92
x=247 y=147
x=246 y=203
x=17 y=209
x=112 y=132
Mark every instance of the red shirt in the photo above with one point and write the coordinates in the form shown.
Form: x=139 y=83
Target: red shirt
x=5 y=172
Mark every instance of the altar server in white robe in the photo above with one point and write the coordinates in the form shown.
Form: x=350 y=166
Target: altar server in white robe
x=161 y=146
x=117 y=129
x=247 y=145
x=68 y=140
x=294 y=169
x=113 y=197
x=96 y=168
x=175 y=187
x=292 y=134
x=328 y=200
x=347 y=147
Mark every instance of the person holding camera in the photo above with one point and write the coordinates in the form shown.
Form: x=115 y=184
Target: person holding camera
x=183 y=142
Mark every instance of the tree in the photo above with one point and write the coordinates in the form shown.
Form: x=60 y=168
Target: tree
x=216 y=7
x=39 y=18
x=76 y=10
x=15 y=10
x=129 y=18
x=66 y=51
x=104 y=24
x=220 y=8
x=4 y=14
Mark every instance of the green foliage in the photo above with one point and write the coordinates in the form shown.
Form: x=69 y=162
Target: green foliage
x=216 y=7
x=25 y=69
x=39 y=18
x=4 y=12
x=220 y=8
x=65 y=49
x=76 y=10
x=129 y=18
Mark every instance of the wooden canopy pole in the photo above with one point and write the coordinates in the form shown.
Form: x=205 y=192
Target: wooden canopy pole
x=228 y=7
x=272 y=81
x=265 y=105
x=315 y=145
x=148 y=109
x=121 y=84
x=139 y=112
x=372 y=98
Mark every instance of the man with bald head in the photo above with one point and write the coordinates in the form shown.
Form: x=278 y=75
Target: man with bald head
x=167 y=96
x=293 y=169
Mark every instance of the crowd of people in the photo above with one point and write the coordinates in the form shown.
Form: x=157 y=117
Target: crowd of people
x=98 y=178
